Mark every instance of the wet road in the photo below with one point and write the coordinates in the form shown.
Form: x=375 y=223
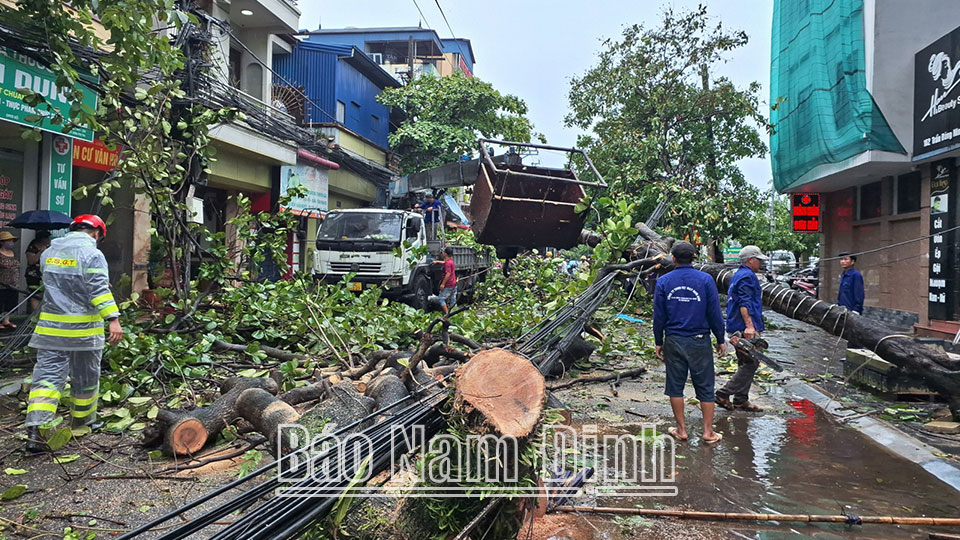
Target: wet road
x=791 y=459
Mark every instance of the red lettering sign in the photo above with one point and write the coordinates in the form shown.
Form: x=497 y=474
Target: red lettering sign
x=806 y=212
x=94 y=155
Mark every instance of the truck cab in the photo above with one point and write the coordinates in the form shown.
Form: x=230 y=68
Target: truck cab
x=364 y=242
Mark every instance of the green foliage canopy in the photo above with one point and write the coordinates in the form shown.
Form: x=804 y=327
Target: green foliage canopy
x=446 y=115
x=661 y=125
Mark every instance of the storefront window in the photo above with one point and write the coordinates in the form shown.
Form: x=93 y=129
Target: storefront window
x=908 y=193
x=870 y=203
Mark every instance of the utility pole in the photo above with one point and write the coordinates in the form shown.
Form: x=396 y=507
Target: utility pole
x=411 y=53
x=717 y=254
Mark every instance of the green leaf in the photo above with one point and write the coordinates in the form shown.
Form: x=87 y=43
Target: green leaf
x=13 y=492
x=139 y=400
x=138 y=426
x=169 y=318
x=60 y=438
x=145 y=508
x=15 y=472
x=81 y=431
x=155 y=454
x=153 y=412
x=343 y=503
x=66 y=459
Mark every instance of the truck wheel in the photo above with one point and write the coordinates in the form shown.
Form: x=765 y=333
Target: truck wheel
x=420 y=293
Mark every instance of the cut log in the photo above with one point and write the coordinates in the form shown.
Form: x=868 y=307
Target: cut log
x=345 y=407
x=386 y=390
x=505 y=389
x=186 y=432
x=266 y=413
x=313 y=392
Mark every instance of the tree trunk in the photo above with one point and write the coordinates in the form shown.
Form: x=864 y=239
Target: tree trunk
x=186 y=432
x=501 y=390
x=266 y=413
x=938 y=369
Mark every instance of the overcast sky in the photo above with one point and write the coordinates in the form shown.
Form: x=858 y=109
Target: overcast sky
x=531 y=48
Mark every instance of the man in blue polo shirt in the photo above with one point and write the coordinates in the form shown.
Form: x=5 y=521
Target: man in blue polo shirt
x=686 y=310
x=431 y=209
x=744 y=315
x=851 y=284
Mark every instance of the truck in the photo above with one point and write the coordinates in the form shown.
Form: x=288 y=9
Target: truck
x=389 y=249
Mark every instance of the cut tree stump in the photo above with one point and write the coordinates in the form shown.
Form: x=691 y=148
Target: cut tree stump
x=186 y=432
x=504 y=388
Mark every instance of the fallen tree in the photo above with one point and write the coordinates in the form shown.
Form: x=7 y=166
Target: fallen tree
x=652 y=255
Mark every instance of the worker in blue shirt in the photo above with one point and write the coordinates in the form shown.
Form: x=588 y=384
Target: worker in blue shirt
x=851 y=284
x=686 y=310
x=745 y=318
x=431 y=215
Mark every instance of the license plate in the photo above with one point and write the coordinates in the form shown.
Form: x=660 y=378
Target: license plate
x=354 y=286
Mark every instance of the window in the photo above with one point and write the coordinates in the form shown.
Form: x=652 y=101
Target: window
x=908 y=193
x=870 y=201
x=341 y=112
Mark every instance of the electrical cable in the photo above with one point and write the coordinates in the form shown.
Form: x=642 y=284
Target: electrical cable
x=452 y=35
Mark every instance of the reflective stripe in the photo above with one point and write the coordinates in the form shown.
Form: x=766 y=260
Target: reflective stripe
x=97 y=271
x=82 y=414
x=108 y=297
x=40 y=392
x=48 y=384
x=51 y=407
x=56 y=317
x=107 y=312
x=60 y=332
x=83 y=402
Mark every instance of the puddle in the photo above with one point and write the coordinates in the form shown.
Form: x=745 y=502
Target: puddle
x=804 y=463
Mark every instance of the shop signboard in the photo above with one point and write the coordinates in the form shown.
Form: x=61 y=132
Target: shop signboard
x=315 y=179
x=18 y=71
x=940 y=278
x=11 y=185
x=61 y=173
x=731 y=254
x=806 y=212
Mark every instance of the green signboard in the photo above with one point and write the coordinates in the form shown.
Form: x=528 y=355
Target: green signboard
x=61 y=173
x=731 y=254
x=17 y=72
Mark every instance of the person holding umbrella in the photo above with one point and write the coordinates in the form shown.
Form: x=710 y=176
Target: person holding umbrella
x=33 y=274
x=9 y=277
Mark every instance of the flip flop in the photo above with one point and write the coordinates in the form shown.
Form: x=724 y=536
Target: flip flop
x=673 y=433
x=713 y=441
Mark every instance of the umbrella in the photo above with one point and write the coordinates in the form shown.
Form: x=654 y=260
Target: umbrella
x=41 y=220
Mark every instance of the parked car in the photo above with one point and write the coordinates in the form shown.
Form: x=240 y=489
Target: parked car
x=782 y=261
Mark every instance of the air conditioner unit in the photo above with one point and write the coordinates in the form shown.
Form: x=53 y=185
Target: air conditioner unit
x=377 y=57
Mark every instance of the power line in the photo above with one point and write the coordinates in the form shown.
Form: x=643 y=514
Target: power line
x=454 y=36
x=421 y=14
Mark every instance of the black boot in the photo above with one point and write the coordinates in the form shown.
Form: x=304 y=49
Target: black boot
x=35 y=441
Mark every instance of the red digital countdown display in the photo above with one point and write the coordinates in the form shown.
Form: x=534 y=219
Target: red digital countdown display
x=806 y=212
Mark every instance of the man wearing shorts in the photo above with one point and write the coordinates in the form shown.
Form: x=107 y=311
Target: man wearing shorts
x=448 y=284
x=686 y=310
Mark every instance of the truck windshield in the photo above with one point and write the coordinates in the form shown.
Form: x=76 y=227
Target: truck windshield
x=360 y=226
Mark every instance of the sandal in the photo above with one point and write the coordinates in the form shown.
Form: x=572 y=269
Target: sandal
x=713 y=441
x=750 y=407
x=725 y=403
x=673 y=433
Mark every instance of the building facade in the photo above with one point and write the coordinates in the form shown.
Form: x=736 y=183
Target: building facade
x=842 y=76
x=404 y=52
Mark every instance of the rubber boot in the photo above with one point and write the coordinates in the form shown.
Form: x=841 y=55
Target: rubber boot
x=35 y=441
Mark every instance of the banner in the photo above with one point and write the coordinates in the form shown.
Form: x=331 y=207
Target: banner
x=315 y=179
x=95 y=155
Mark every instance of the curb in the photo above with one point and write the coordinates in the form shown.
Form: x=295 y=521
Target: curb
x=894 y=440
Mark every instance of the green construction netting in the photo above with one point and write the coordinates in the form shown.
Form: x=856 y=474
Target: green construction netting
x=826 y=114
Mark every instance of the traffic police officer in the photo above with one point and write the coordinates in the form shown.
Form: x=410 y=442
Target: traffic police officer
x=70 y=333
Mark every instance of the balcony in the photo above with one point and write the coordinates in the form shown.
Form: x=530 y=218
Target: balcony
x=274 y=16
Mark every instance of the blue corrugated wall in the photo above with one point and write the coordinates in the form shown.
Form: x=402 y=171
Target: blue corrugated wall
x=327 y=79
x=364 y=115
